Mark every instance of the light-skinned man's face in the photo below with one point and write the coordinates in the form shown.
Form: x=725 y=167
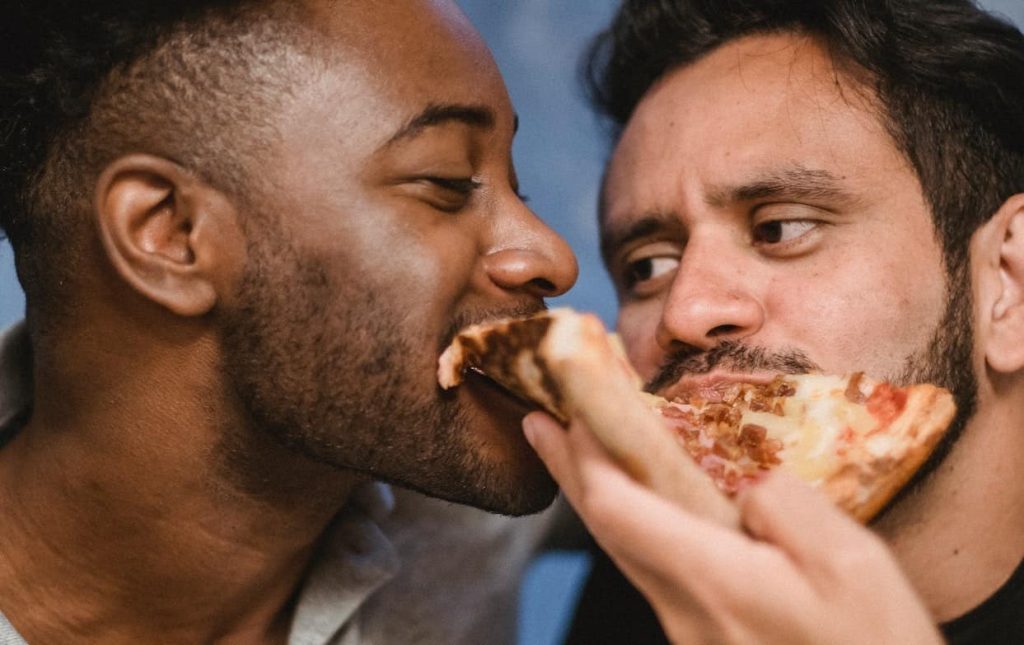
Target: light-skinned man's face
x=756 y=197
x=390 y=219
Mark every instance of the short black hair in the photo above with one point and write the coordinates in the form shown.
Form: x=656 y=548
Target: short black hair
x=949 y=78
x=84 y=83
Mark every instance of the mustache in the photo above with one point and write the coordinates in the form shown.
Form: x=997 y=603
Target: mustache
x=732 y=355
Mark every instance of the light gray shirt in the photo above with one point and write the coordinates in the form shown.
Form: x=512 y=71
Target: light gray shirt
x=397 y=567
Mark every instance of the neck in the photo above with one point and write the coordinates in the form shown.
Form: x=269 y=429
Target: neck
x=123 y=519
x=959 y=537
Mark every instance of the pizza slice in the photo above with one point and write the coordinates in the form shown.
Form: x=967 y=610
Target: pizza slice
x=858 y=439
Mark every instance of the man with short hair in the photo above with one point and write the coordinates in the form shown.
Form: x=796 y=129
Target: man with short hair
x=835 y=186
x=245 y=231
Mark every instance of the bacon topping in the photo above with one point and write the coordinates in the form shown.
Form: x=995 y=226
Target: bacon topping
x=853 y=393
x=731 y=452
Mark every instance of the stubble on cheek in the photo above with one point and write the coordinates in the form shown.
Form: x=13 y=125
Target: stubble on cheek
x=335 y=371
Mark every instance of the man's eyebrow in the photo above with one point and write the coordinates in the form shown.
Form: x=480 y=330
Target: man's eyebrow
x=478 y=116
x=614 y=236
x=796 y=182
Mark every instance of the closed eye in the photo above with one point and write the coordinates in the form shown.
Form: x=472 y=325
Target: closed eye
x=447 y=194
x=462 y=185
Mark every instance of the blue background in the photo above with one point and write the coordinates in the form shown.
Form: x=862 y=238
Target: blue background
x=559 y=154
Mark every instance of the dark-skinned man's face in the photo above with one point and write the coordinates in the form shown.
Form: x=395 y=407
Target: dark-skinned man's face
x=389 y=218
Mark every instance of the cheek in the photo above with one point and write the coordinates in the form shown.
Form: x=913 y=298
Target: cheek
x=637 y=325
x=868 y=320
x=426 y=271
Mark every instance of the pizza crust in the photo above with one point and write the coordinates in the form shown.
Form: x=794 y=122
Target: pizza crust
x=871 y=478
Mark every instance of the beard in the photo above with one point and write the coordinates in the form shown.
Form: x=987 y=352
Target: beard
x=946 y=361
x=333 y=369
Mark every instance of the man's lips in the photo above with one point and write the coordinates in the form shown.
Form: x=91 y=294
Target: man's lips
x=712 y=387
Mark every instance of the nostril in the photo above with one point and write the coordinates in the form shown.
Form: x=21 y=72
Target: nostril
x=544 y=285
x=723 y=330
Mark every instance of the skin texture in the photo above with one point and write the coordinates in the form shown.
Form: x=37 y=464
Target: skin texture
x=238 y=364
x=756 y=205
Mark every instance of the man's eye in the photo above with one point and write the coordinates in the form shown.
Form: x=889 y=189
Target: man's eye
x=448 y=194
x=462 y=185
x=781 y=231
x=647 y=269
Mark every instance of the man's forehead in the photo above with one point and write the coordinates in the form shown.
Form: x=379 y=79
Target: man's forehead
x=385 y=74
x=757 y=103
x=414 y=53
x=410 y=32
x=754 y=79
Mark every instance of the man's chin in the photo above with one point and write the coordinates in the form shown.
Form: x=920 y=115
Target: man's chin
x=528 y=498
x=499 y=471
x=500 y=489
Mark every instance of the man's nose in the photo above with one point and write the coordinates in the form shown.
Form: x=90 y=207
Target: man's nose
x=526 y=255
x=710 y=301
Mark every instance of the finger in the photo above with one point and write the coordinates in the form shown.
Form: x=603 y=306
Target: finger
x=625 y=516
x=551 y=443
x=679 y=560
x=625 y=425
x=572 y=455
x=790 y=514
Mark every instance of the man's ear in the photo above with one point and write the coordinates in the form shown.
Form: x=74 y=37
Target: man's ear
x=1001 y=244
x=166 y=232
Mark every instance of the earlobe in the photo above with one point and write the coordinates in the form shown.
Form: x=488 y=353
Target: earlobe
x=1005 y=324
x=150 y=218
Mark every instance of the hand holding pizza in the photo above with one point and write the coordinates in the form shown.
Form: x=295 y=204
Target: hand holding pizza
x=804 y=572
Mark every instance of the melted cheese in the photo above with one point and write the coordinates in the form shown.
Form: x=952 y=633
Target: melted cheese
x=810 y=445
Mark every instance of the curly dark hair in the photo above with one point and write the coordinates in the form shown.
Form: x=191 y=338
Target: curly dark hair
x=949 y=78
x=84 y=83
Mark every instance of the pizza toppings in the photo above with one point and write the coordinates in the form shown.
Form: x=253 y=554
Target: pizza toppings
x=839 y=433
x=857 y=439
